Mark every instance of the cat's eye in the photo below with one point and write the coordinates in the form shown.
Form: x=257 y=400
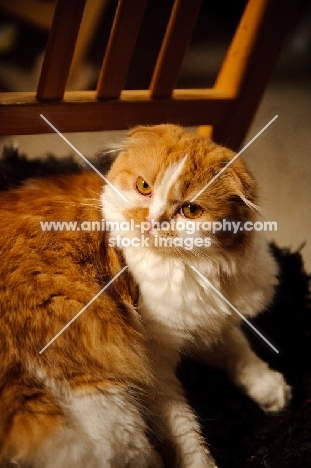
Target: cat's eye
x=190 y=210
x=142 y=186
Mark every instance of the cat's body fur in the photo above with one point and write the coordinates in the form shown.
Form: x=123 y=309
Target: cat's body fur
x=88 y=383
x=57 y=407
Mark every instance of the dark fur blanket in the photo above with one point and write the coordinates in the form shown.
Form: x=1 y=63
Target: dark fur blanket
x=240 y=435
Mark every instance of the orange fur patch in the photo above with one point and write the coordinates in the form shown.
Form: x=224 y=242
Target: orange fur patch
x=46 y=278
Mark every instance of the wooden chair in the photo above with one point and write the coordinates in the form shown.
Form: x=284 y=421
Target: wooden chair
x=227 y=108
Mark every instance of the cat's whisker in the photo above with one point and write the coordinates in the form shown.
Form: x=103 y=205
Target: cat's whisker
x=89 y=205
x=114 y=148
x=181 y=255
x=95 y=193
x=199 y=253
x=72 y=203
x=252 y=205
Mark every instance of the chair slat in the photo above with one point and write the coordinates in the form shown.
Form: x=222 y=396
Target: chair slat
x=60 y=48
x=175 y=42
x=120 y=48
x=92 y=16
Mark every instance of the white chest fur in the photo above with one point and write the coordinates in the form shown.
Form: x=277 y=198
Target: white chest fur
x=175 y=301
x=177 y=304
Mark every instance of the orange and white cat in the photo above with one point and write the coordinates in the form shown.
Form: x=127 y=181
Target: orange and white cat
x=161 y=170
x=89 y=399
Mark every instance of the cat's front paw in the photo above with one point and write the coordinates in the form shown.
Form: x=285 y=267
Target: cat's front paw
x=269 y=390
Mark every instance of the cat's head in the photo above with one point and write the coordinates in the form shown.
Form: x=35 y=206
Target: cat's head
x=178 y=200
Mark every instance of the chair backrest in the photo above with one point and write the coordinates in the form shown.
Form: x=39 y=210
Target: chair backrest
x=227 y=107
